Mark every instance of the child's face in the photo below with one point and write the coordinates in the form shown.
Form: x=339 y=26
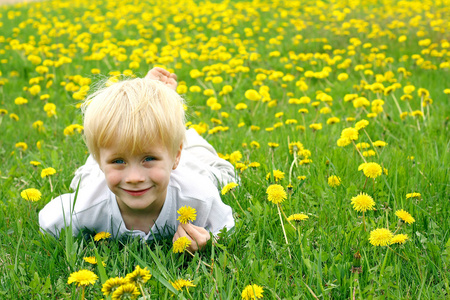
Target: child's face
x=139 y=181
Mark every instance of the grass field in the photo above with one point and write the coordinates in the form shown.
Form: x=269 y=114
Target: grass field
x=344 y=104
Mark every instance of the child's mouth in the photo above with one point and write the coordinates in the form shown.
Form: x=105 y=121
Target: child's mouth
x=137 y=192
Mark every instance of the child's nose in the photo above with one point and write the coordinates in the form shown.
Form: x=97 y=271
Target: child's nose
x=135 y=175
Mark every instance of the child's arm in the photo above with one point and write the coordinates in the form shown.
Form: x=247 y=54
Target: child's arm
x=170 y=79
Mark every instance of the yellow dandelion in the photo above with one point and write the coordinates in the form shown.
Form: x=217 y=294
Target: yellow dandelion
x=302 y=177
x=126 y=291
x=399 y=239
x=254 y=165
x=35 y=163
x=277 y=175
x=138 y=276
x=22 y=146
x=187 y=214
x=112 y=284
x=228 y=187
x=102 y=236
x=47 y=172
x=361 y=124
x=276 y=193
x=413 y=195
x=297 y=217
x=380 y=237
x=379 y=144
x=181 y=244
x=405 y=216
x=372 y=170
x=349 y=133
x=179 y=284
x=342 y=142
x=92 y=260
x=363 y=202
x=31 y=194
x=82 y=278
x=252 y=292
x=334 y=181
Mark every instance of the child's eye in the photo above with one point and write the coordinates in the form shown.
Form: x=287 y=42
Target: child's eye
x=118 y=161
x=149 y=158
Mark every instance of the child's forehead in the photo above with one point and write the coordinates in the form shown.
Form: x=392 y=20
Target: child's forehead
x=138 y=148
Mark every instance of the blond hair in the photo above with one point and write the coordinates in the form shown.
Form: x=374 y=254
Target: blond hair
x=131 y=114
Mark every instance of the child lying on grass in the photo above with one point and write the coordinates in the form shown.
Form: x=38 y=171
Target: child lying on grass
x=144 y=166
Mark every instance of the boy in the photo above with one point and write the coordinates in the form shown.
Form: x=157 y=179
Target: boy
x=144 y=166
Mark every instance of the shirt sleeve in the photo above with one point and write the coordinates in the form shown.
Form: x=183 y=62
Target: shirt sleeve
x=57 y=214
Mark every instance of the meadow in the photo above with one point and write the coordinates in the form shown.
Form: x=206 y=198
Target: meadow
x=334 y=113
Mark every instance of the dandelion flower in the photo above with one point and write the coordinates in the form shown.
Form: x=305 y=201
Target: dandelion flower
x=112 y=284
x=138 y=276
x=83 y=277
x=35 y=163
x=380 y=237
x=276 y=193
x=334 y=181
x=22 y=146
x=363 y=203
x=229 y=187
x=92 y=260
x=31 y=194
x=405 y=216
x=302 y=177
x=398 y=239
x=47 y=172
x=277 y=175
x=342 y=142
x=379 y=144
x=103 y=235
x=252 y=291
x=361 y=124
x=126 y=291
x=179 y=284
x=187 y=214
x=349 y=133
x=413 y=195
x=181 y=244
x=254 y=165
x=297 y=217
x=372 y=170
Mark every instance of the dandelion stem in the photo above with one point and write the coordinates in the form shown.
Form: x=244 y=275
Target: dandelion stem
x=142 y=291
x=284 y=231
x=194 y=256
x=371 y=142
x=364 y=222
x=51 y=186
x=82 y=292
x=293 y=163
x=362 y=156
x=405 y=258
x=237 y=202
x=396 y=103
x=287 y=219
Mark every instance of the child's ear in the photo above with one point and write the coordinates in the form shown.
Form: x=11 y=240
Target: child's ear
x=177 y=157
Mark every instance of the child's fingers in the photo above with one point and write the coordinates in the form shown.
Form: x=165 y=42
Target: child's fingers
x=199 y=234
x=173 y=76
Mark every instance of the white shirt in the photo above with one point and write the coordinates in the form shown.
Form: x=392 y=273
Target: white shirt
x=193 y=183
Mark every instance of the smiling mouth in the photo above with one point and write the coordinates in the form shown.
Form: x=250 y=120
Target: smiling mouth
x=136 y=193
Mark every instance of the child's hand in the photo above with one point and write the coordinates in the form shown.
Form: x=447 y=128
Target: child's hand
x=170 y=79
x=199 y=236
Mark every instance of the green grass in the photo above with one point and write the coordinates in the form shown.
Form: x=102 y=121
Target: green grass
x=320 y=254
